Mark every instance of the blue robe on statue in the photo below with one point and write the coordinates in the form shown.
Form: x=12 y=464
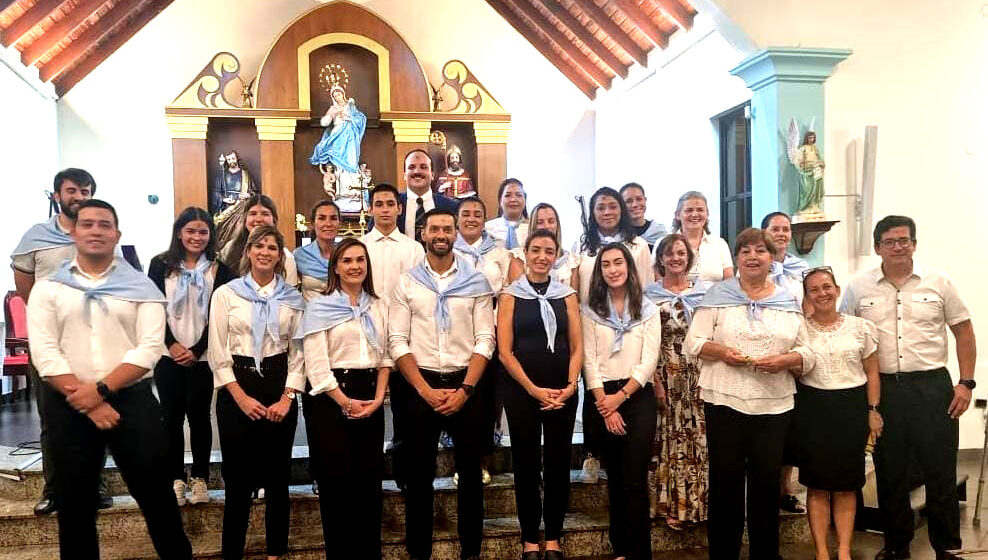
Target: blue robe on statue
x=340 y=142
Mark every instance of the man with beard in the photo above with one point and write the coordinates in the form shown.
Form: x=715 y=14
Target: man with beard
x=232 y=184
x=40 y=253
x=419 y=198
x=443 y=366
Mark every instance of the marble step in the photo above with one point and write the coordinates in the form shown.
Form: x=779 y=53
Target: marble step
x=24 y=480
x=19 y=526
x=584 y=535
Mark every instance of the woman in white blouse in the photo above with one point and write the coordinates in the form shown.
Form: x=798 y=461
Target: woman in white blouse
x=544 y=216
x=312 y=259
x=258 y=370
x=347 y=365
x=836 y=410
x=751 y=336
x=713 y=256
x=509 y=227
x=621 y=336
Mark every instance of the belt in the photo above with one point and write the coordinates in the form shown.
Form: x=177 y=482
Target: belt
x=448 y=378
x=246 y=363
x=354 y=371
x=904 y=376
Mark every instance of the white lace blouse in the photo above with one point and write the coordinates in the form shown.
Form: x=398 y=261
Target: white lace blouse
x=840 y=352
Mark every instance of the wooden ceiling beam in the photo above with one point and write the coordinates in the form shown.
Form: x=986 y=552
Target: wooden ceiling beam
x=581 y=32
x=575 y=54
x=644 y=23
x=66 y=81
x=677 y=12
x=60 y=30
x=88 y=39
x=22 y=25
x=4 y=4
x=581 y=81
x=604 y=21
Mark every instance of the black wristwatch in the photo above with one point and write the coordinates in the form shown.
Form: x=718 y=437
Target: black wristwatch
x=969 y=383
x=873 y=408
x=103 y=390
x=468 y=389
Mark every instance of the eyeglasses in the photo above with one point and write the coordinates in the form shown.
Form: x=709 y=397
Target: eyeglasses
x=815 y=269
x=903 y=242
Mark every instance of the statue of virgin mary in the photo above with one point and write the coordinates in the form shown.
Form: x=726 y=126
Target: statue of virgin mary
x=339 y=147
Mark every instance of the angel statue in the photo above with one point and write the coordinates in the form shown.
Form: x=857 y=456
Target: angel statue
x=339 y=148
x=806 y=157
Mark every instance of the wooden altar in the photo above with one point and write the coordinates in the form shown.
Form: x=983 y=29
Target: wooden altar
x=273 y=123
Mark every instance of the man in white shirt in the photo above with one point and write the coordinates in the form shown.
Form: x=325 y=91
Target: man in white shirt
x=97 y=328
x=441 y=338
x=420 y=197
x=43 y=249
x=912 y=308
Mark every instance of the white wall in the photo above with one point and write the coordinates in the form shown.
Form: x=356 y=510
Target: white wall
x=119 y=132
x=921 y=78
x=655 y=129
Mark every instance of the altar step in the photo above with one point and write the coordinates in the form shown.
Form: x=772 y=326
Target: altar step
x=868 y=517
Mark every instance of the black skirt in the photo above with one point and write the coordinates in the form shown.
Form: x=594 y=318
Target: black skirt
x=831 y=430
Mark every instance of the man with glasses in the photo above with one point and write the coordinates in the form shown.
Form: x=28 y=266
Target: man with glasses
x=912 y=307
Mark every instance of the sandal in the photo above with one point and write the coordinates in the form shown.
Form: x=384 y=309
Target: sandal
x=792 y=504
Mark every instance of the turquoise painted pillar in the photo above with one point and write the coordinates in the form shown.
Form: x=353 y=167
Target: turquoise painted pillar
x=785 y=83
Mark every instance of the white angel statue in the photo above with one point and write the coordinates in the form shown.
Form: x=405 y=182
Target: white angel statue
x=806 y=157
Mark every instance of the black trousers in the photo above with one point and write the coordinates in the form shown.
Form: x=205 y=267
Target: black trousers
x=744 y=449
x=349 y=467
x=186 y=392
x=626 y=459
x=77 y=450
x=41 y=400
x=256 y=453
x=424 y=426
x=914 y=408
x=400 y=395
x=527 y=423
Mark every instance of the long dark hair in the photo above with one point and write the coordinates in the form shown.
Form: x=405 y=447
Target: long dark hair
x=175 y=254
x=590 y=240
x=500 y=191
x=333 y=282
x=597 y=300
x=239 y=242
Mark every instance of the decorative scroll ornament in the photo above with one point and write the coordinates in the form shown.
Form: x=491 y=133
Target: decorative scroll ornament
x=208 y=88
x=470 y=95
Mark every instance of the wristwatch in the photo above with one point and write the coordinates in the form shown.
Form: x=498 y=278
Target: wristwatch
x=103 y=390
x=873 y=407
x=468 y=389
x=969 y=383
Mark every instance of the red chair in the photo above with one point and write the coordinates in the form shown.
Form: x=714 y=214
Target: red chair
x=17 y=357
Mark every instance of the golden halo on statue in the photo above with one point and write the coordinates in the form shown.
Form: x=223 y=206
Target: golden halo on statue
x=332 y=75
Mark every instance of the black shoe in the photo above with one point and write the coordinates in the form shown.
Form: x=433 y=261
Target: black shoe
x=530 y=555
x=792 y=504
x=554 y=555
x=45 y=506
x=892 y=554
x=105 y=501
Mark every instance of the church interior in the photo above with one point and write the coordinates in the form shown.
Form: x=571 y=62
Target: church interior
x=177 y=103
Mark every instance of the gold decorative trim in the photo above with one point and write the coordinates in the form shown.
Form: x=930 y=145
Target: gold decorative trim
x=411 y=131
x=471 y=95
x=207 y=89
x=383 y=65
x=190 y=128
x=492 y=132
x=275 y=129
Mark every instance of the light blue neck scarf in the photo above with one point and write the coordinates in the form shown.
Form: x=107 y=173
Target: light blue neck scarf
x=467 y=282
x=512 y=241
x=729 y=294
x=621 y=324
x=186 y=278
x=476 y=254
x=310 y=262
x=46 y=235
x=265 y=310
x=522 y=288
x=123 y=282
x=689 y=299
x=791 y=267
x=331 y=310
x=653 y=232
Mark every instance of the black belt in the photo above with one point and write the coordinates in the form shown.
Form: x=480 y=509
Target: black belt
x=448 y=380
x=247 y=363
x=903 y=376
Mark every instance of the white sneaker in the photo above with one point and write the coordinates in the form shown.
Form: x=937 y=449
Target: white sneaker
x=179 y=487
x=591 y=470
x=198 y=491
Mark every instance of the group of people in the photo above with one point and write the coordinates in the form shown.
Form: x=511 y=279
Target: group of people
x=703 y=370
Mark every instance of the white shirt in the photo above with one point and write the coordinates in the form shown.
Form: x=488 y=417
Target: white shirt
x=291 y=270
x=45 y=262
x=230 y=335
x=428 y=203
x=188 y=328
x=638 y=357
x=742 y=388
x=62 y=343
x=585 y=263
x=840 y=353
x=390 y=256
x=494 y=265
x=498 y=229
x=345 y=347
x=912 y=321
x=311 y=287
x=713 y=257
x=413 y=310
